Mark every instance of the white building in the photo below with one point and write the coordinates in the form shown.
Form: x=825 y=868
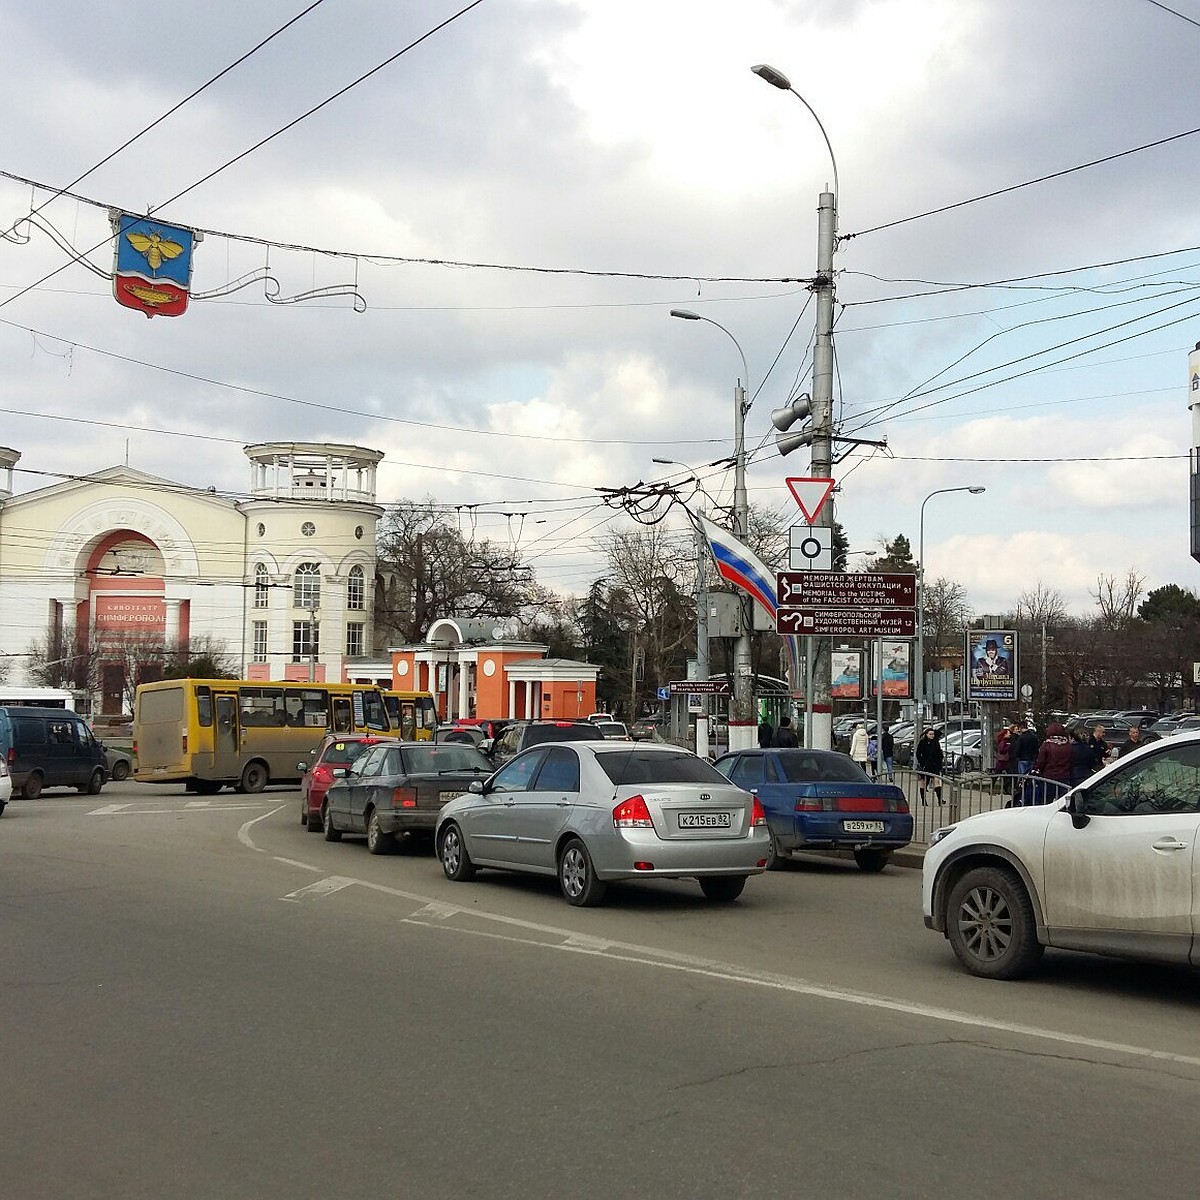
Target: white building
x=284 y=580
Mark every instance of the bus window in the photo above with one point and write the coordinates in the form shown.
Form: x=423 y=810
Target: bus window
x=342 y=713
x=203 y=705
x=408 y=720
x=374 y=714
x=308 y=708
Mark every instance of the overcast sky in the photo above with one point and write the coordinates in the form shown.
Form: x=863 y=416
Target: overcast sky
x=610 y=142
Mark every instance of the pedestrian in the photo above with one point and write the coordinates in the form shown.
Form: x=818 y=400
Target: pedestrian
x=887 y=746
x=873 y=755
x=1027 y=748
x=1083 y=761
x=1134 y=741
x=1003 y=746
x=1100 y=747
x=858 y=745
x=785 y=735
x=929 y=765
x=766 y=733
x=1053 y=762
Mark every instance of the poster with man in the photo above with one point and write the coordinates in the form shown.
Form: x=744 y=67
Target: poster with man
x=992 y=665
x=897 y=670
x=847 y=683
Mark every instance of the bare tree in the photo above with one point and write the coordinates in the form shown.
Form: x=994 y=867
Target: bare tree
x=1041 y=606
x=1118 y=602
x=946 y=615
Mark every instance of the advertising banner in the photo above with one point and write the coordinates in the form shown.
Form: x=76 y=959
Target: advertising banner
x=847 y=668
x=991 y=665
x=897 y=670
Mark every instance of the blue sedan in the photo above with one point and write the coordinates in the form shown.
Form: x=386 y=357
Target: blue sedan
x=820 y=799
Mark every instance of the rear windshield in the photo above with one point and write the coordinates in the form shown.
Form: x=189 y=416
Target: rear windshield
x=643 y=766
x=342 y=754
x=799 y=767
x=446 y=756
x=535 y=735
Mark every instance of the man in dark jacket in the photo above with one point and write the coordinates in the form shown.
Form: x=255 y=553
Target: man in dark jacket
x=766 y=733
x=1053 y=762
x=1027 y=750
x=785 y=735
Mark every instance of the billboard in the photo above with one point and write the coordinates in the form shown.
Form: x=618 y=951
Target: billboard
x=847 y=675
x=897 y=670
x=991 y=665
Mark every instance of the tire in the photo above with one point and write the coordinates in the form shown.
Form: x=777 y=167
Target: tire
x=577 y=876
x=452 y=853
x=378 y=842
x=871 y=861
x=254 y=778
x=95 y=783
x=990 y=924
x=31 y=789
x=3 y=804
x=332 y=834
x=120 y=771
x=723 y=889
x=776 y=856
x=312 y=822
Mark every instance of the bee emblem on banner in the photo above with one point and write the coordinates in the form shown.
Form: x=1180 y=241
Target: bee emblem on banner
x=152 y=268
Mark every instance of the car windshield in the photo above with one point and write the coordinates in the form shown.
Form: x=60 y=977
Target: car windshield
x=643 y=766
x=445 y=756
x=801 y=767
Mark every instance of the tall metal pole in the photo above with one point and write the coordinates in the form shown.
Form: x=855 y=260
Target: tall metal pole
x=702 y=668
x=821 y=703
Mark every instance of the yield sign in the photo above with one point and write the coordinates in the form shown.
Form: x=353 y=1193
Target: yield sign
x=810 y=494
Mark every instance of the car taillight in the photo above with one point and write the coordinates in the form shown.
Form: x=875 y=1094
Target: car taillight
x=901 y=805
x=858 y=804
x=12 y=755
x=757 y=815
x=404 y=797
x=322 y=773
x=808 y=805
x=134 y=750
x=632 y=814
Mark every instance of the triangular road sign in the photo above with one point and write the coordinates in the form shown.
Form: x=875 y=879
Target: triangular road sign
x=811 y=494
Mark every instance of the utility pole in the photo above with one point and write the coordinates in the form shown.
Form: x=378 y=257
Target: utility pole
x=702 y=667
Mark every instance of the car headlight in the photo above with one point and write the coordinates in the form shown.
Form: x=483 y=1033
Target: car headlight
x=938 y=834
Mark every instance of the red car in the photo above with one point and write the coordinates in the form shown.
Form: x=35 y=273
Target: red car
x=335 y=750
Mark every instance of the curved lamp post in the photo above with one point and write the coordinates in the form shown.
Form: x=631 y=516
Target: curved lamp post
x=821 y=701
x=919 y=672
x=742 y=725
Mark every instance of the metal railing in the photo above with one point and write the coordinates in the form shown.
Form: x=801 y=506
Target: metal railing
x=968 y=794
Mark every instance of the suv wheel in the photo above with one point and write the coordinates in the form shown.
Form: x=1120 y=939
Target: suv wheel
x=989 y=921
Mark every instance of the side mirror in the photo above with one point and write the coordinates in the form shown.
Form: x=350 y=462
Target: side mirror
x=487 y=745
x=1079 y=818
x=302 y=767
x=475 y=787
x=340 y=772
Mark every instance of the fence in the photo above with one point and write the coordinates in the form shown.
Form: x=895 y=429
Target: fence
x=966 y=795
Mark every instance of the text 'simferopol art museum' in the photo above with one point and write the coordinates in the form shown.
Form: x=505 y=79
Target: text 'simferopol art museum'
x=285 y=582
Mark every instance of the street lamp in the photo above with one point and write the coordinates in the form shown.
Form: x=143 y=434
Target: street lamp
x=919 y=681
x=821 y=701
x=742 y=724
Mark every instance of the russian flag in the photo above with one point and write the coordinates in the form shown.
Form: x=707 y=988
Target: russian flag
x=739 y=565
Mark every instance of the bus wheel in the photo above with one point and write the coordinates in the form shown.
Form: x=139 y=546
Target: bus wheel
x=204 y=787
x=254 y=777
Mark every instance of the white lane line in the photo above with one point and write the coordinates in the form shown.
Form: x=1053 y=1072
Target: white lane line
x=435 y=911
x=650 y=956
x=244 y=831
x=107 y=810
x=323 y=887
x=198 y=804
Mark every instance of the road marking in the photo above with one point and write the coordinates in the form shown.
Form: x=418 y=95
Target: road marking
x=123 y=810
x=572 y=942
x=198 y=804
x=323 y=887
x=107 y=810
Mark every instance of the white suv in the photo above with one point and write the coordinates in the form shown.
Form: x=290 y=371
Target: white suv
x=1108 y=868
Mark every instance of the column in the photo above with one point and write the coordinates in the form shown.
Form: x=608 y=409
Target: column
x=512 y=699
x=464 y=706
x=171 y=632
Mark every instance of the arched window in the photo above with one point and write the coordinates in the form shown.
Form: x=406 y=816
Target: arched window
x=356 y=589
x=306 y=588
x=261 y=594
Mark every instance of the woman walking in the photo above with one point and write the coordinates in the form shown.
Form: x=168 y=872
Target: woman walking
x=929 y=765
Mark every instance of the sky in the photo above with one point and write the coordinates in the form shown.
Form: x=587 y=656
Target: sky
x=521 y=192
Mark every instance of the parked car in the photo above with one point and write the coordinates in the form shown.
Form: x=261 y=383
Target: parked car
x=333 y=752
x=1076 y=873
x=118 y=764
x=490 y=727
x=6 y=787
x=1188 y=724
x=647 y=731
x=465 y=735
x=520 y=735
x=398 y=788
x=962 y=751
x=613 y=730
x=590 y=812
x=820 y=799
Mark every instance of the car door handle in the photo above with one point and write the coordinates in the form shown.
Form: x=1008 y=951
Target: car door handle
x=562 y=804
x=1169 y=843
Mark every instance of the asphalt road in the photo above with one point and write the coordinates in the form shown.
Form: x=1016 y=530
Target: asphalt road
x=201 y=999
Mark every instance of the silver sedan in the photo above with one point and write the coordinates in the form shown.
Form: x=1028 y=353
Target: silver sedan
x=592 y=812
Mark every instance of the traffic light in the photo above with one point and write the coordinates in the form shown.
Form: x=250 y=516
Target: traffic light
x=784 y=418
